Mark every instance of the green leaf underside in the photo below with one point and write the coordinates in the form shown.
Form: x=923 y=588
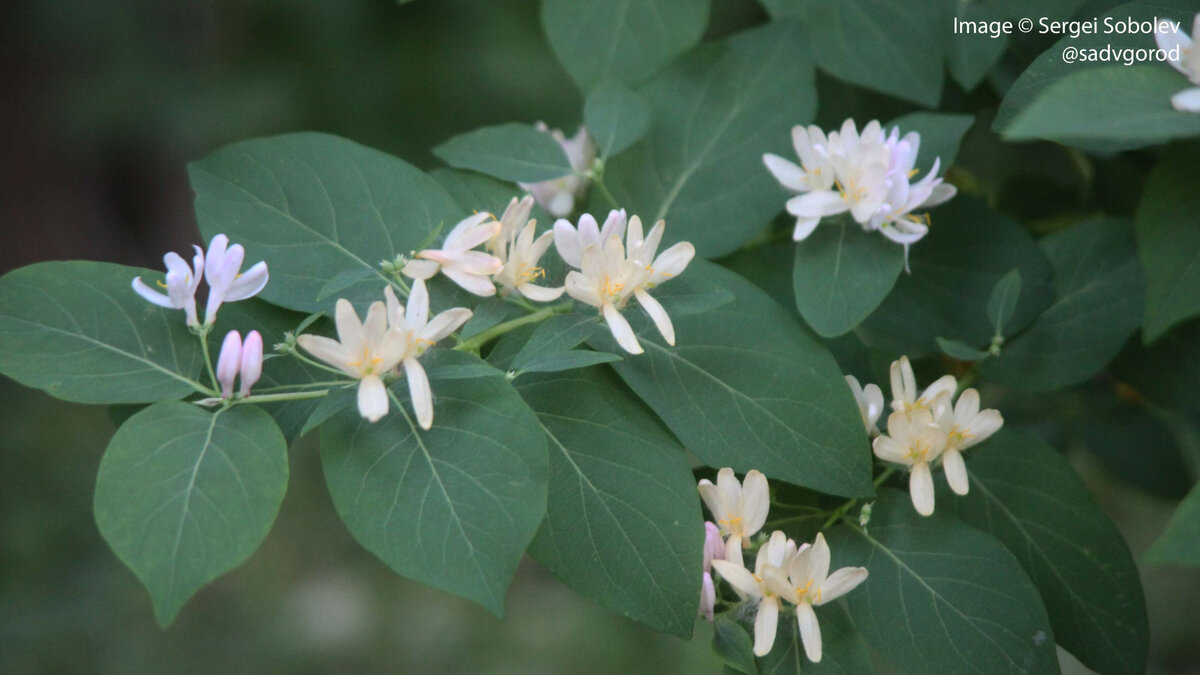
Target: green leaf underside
x=1025 y=494
x=622 y=40
x=954 y=269
x=841 y=275
x=842 y=648
x=79 y=332
x=716 y=111
x=1099 y=288
x=747 y=387
x=733 y=645
x=960 y=350
x=185 y=495
x=1168 y=241
x=452 y=507
x=314 y=206
x=1003 y=301
x=514 y=152
x=623 y=523
x=941 y=134
x=942 y=597
x=1180 y=543
x=616 y=117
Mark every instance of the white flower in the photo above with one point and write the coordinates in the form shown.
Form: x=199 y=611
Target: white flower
x=226 y=281
x=238 y=357
x=895 y=219
x=915 y=441
x=365 y=351
x=814 y=174
x=519 y=253
x=739 y=508
x=870 y=403
x=1171 y=41
x=860 y=164
x=777 y=553
x=608 y=279
x=906 y=398
x=181 y=284
x=806 y=583
x=417 y=332
x=571 y=241
x=472 y=270
x=558 y=195
x=965 y=425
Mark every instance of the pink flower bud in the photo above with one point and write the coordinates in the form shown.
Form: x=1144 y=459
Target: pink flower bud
x=708 y=597
x=229 y=362
x=714 y=547
x=252 y=361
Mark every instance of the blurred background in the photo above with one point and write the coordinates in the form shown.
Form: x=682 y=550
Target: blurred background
x=107 y=104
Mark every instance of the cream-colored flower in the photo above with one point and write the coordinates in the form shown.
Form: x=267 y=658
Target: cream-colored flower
x=806 y=583
x=870 y=403
x=906 y=397
x=417 y=332
x=519 y=253
x=777 y=553
x=915 y=441
x=739 y=508
x=965 y=425
x=559 y=195
x=1184 y=56
x=571 y=240
x=472 y=270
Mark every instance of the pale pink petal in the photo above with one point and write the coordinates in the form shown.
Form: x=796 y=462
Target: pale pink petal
x=252 y=361
x=229 y=362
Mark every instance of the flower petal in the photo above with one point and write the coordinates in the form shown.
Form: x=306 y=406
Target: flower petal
x=328 y=350
x=956 y=471
x=756 y=501
x=765 y=625
x=739 y=577
x=804 y=227
x=787 y=173
x=480 y=285
x=151 y=295
x=841 y=582
x=817 y=204
x=540 y=293
x=372 y=398
x=810 y=631
x=920 y=488
x=581 y=288
x=349 y=328
x=621 y=331
x=252 y=361
x=657 y=314
x=445 y=323
x=248 y=284
x=420 y=269
x=419 y=391
x=674 y=260
x=887 y=449
x=416 y=312
x=1187 y=100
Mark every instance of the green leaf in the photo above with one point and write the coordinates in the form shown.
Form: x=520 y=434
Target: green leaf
x=716 y=111
x=1003 y=301
x=1167 y=372
x=747 y=387
x=1127 y=107
x=941 y=134
x=623 y=523
x=314 y=206
x=1024 y=493
x=626 y=41
x=568 y=360
x=556 y=334
x=337 y=400
x=1168 y=241
x=1180 y=543
x=842 y=274
x=79 y=332
x=515 y=152
x=185 y=495
x=692 y=295
x=616 y=117
x=889 y=46
x=733 y=645
x=842 y=648
x=488 y=313
x=942 y=597
x=477 y=192
x=969 y=56
x=960 y=350
x=954 y=269
x=452 y=507
x=343 y=280
x=1099 y=289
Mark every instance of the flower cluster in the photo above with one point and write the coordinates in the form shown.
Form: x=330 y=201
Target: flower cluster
x=221 y=267
x=783 y=571
x=927 y=427
x=559 y=195
x=392 y=336
x=868 y=175
x=1172 y=41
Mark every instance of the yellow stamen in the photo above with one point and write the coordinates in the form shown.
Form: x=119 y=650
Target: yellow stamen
x=160 y=284
x=913 y=172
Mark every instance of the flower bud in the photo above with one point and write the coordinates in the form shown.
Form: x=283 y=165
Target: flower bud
x=229 y=362
x=252 y=361
x=714 y=547
x=708 y=597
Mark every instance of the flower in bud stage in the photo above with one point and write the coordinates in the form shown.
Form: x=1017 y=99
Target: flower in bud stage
x=472 y=270
x=570 y=240
x=805 y=582
x=777 y=553
x=965 y=425
x=229 y=362
x=252 y=362
x=870 y=403
x=714 y=546
x=708 y=596
x=181 y=284
x=1170 y=41
x=915 y=441
x=739 y=508
x=905 y=396
x=558 y=195
x=226 y=282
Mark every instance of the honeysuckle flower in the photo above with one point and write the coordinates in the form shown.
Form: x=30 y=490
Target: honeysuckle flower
x=965 y=425
x=814 y=174
x=570 y=241
x=915 y=441
x=366 y=351
x=1171 y=41
x=252 y=361
x=905 y=396
x=472 y=270
x=417 y=332
x=870 y=403
x=181 y=284
x=558 y=195
x=860 y=164
x=895 y=218
x=239 y=358
x=659 y=268
x=519 y=253
x=739 y=508
x=226 y=281
x=806 y=583
x=776 y=554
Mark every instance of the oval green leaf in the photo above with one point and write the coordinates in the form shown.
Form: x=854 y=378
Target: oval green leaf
x=514 y=152
x=842 y=274
x=616 y=117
